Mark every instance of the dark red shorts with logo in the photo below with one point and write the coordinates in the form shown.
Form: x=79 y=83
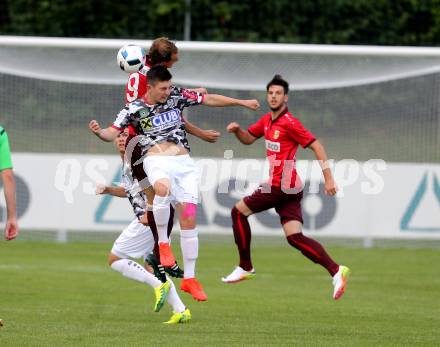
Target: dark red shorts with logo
x=287 y=205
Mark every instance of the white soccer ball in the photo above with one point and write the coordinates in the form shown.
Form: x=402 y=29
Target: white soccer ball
x=131 y=58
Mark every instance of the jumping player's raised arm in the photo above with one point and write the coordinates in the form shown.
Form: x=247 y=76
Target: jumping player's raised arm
x=217 y=100
x=118 y=191
x=205 y=135
x=109 y=134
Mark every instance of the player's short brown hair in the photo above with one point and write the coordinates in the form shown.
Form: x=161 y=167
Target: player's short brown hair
x=278 y=80
x=161 y=50
x=158 y=73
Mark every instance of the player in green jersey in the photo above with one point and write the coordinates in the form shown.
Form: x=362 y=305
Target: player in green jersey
x=7 y=176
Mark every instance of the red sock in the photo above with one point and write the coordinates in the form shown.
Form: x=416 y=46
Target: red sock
x=314 y=251
x=152 y=225
x=242 y=236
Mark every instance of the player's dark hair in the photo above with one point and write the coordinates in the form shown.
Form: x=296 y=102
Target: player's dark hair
x=278 y=80
x=161 y=50
x=158 y=73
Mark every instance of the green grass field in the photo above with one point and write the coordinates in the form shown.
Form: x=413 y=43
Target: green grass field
x=65 y=295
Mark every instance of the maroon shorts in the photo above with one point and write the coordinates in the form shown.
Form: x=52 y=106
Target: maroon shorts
x=288 y=206
x=138 y=170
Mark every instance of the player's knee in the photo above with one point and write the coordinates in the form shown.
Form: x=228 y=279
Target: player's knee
x=148 y=268
x=295 y=239
x=187 y=222
x=291 y=227
x=162 y=188
x=112 y=258
x=243 y=208
x=189 y=211
x=235 y=212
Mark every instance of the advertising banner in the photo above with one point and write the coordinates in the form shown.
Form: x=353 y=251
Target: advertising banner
x=375 y=198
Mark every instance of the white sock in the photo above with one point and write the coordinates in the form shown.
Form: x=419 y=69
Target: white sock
x=174 y=300
x=130 y=269
x=161 y=212
x=189 y=243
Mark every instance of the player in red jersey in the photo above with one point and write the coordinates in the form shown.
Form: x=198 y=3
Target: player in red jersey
x=283 y=133
x=162 y=51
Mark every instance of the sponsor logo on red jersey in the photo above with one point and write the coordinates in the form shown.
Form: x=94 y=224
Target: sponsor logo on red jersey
x=273 y=146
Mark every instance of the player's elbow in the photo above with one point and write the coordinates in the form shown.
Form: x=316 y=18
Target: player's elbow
x=7 y=176
x=249 y=139
x=316 y=146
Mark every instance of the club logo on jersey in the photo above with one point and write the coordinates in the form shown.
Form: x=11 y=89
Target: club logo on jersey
x=142 y=113
x=272 y=146
x=276 y=134
x=161 y=121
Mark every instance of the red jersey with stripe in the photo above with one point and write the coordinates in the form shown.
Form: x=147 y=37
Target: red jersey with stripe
x=282 y=137
x=137 y=86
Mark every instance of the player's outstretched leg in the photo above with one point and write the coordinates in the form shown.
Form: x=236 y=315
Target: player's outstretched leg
x=181 y=314
x=161 y=293
x=133 y=270
x=189 y=243
x=316 y=253
x=242 y=236
x=152 y=225
x=161 y=211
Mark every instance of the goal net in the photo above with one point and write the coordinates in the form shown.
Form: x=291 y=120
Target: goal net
x=362 y=102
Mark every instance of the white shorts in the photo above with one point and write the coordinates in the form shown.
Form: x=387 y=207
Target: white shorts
x=135 y=241
x=180 y=170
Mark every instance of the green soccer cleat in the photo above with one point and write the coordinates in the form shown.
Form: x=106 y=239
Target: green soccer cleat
x=161 y=293
x=182 y=317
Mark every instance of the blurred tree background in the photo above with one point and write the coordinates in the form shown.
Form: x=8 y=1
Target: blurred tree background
x=381 y=22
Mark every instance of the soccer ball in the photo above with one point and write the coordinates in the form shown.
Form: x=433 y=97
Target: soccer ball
x=131 y=58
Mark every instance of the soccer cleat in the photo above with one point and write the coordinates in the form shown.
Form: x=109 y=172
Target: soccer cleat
x=193 y=287
x=174 y=271
x=238 y=275
x=158 y=269
x=161 y=293
x=340 y=281
x=181 y=317
x=166 y=254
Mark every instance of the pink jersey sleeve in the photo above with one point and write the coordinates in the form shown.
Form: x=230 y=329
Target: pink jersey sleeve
x=190 y=97
x=257 y=129
x=299 y=133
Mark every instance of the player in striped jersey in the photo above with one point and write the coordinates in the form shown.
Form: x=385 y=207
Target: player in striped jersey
x=173 y=174
x=137 y=241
